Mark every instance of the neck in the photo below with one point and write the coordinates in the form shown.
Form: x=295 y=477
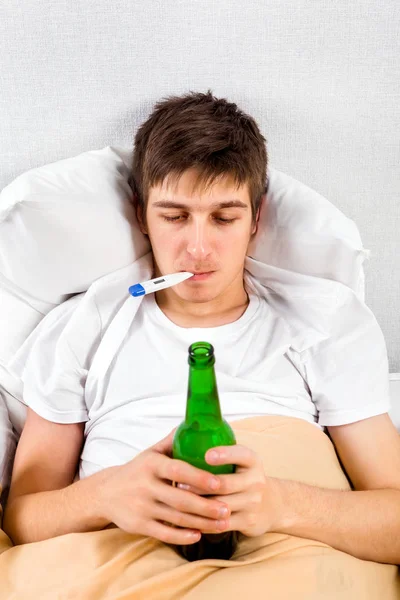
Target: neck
x=226 y=308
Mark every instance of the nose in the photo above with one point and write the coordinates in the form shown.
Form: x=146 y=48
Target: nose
x=199 y=243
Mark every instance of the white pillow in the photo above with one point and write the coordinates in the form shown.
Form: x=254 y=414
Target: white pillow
x=66 y=224
x=302 y=231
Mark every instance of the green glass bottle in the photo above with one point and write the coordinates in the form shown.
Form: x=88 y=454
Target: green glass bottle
x=202 y=429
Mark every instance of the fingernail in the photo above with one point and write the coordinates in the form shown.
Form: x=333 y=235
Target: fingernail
x=221 y=524
x=213 y=455
x=183 y=486
x=214 y=484
x=223 y=511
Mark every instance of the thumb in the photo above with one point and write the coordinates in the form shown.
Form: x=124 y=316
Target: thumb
x=164 y=446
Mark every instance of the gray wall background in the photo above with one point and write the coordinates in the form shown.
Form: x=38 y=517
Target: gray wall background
x=322 y=79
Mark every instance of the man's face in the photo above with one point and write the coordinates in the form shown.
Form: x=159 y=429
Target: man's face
x=206 y=233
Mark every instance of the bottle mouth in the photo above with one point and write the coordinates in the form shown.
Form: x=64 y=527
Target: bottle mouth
x=201 y=353
x=201 y=350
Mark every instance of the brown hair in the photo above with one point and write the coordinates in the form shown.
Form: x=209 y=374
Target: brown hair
x=202 y=131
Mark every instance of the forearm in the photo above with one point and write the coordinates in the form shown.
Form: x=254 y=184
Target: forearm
x=365 y=524
x=43 y=515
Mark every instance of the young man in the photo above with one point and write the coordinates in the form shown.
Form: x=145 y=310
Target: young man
x=102 y=401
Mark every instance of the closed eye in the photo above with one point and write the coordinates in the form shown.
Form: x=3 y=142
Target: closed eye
x=179 y=218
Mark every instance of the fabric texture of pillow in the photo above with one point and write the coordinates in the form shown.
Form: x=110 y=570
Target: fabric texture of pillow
x=66 y=224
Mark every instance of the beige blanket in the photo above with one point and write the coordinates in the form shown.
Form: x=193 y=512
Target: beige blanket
x=113 y=564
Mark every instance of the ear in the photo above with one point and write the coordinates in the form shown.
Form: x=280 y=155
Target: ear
x=139 y=213
x=262 y=203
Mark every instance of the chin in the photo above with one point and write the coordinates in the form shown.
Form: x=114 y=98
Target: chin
x=199 y=296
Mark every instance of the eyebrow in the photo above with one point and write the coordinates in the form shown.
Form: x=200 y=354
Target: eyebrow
x=226 y=204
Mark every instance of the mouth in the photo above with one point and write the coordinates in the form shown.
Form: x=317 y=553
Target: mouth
x=200 y=276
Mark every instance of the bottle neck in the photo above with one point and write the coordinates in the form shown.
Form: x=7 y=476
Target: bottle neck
x=202 y=394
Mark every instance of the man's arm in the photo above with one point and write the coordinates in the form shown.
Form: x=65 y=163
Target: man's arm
x=364 y=522
x=136 y=496
x=43 y=502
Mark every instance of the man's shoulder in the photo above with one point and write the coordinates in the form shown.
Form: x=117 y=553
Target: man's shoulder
x=307 y=307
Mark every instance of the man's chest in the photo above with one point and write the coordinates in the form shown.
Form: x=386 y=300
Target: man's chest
x=150 y=372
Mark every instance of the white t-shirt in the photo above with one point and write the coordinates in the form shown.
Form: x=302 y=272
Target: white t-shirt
x=143 y=394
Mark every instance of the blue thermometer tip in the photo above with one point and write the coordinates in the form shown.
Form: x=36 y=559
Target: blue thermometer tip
x=137 y=290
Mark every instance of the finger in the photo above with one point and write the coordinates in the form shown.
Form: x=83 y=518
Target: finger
x=171 y=535
x=164 y=446
x=187 y=502
x=192 y=489
x=162 y=512
x=251 y=524
x=180 y=471
x=236 y=502
x=235 y=455
x=234 y=483
x=238 y=521
x=229 y=484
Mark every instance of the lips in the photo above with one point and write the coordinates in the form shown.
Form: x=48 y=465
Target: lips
x=200 y=276
x=196 y=271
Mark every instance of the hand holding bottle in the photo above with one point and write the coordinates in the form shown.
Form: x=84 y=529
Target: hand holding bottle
x=138 y=497
x=253 y=498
